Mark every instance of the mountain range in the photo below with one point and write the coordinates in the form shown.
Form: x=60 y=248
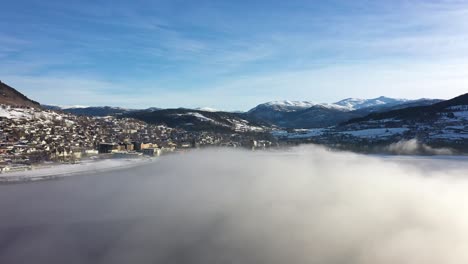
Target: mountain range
x=197 y=120
x=280 y=114
x=286 y=114
x=303 y=114
x=430 y=112
x=92 y=110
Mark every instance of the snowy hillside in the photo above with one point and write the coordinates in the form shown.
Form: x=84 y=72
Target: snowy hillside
x=356 y=103
x=26 y=113
x=348 y=104
x=443 y=124
x=285 y=106
x=238 y=124
x=291 y=106
x=196 y=120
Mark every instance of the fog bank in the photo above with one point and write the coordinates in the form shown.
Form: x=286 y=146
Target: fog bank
x=414 y=147
x=307 y=205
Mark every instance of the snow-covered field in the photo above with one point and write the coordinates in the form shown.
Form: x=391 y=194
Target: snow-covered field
x=240 y=125
x=363 y=133
x=31 y=113
x=45 y=172
x=300 y=133
x=15 y=113
x=376 y=132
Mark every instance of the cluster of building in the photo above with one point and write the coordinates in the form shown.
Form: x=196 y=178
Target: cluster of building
x=29 y=136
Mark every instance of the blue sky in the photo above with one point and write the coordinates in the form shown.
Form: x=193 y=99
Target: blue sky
x=232 y=55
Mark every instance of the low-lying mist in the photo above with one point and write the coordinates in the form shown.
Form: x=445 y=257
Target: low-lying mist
x=307 y=205
x=414 y=147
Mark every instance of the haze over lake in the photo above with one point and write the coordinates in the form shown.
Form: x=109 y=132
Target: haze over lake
x=306 y=205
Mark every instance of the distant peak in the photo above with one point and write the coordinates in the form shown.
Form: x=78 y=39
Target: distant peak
x=206 y=109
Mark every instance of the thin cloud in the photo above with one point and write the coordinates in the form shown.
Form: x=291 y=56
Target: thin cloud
x=220 y=49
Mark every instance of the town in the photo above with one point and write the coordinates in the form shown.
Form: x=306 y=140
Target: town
x=30 y=136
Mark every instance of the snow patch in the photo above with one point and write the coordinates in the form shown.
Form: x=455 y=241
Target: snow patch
x=376 y=132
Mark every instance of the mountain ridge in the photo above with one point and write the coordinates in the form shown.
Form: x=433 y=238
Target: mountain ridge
x=416 y=112
x=283 y=113
x=305 y=114
x=11 y=96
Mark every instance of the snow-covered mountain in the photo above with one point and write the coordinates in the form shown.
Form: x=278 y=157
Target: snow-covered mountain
x=357 y=103
x=440 y=110
x=306 y=114
x=349 y=104
x=207 y=109
x=286 y=105
x=292 y=106
x=73 y=106
x=443 y=125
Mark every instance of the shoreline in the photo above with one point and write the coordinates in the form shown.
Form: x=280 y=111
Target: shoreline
x=66 y=170
x=87 y=166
